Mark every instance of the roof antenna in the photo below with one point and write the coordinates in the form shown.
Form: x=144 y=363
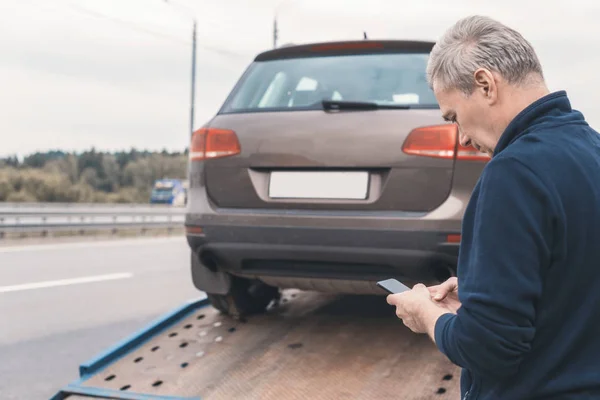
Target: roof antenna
x=365 y=35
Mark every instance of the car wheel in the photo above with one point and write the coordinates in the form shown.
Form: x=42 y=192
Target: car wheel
x=245 y=297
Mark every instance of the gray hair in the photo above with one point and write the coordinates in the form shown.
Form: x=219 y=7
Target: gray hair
x=481 y=42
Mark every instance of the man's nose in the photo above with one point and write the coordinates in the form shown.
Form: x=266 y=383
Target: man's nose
x=464 y=140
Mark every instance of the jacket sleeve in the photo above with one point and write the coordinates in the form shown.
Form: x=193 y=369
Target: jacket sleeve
x=506 y=253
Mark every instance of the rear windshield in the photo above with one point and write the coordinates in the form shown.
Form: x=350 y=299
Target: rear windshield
x=302 y=83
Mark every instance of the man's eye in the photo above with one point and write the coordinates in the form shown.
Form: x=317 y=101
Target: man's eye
x=450 y=119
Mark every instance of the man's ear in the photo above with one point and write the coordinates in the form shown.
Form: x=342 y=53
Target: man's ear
x=485 y=83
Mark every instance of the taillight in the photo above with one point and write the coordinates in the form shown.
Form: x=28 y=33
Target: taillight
x=453 y=238
x=432 y=141
x=194 y=230
x=210 y=143
x=440 y=141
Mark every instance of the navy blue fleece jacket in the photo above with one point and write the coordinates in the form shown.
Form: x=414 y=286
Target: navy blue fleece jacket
x=529 y=264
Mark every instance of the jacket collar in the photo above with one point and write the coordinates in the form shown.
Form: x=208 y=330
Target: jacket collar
x=531 y=115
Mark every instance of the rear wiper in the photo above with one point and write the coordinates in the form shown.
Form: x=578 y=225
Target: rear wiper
x=334 y=105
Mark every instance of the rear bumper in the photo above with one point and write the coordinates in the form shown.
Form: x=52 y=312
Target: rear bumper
x=351 y=254
x=352 y=245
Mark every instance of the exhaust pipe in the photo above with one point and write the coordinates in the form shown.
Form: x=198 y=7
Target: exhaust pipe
x=208 y=259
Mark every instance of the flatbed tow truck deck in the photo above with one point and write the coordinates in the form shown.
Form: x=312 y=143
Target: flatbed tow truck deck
x=309 y=346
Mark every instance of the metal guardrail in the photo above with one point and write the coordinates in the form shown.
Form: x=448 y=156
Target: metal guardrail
x=46 y=218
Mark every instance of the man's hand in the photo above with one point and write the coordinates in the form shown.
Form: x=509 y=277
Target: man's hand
x=446 y=294
x=417 y=310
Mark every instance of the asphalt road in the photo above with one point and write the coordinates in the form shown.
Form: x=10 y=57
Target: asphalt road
x=61 y=304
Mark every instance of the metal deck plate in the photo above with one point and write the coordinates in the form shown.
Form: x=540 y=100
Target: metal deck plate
x=311 y=346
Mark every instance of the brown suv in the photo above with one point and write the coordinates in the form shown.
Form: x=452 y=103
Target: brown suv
x=328 y=168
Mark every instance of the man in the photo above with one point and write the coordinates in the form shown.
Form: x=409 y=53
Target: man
x=523 y=318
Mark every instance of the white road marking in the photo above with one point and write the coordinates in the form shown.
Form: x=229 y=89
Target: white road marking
x=65 y=282
x=76 y=245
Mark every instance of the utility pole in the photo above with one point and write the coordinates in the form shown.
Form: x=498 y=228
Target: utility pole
x=275 y=32
x=189 y=14
x=278 y=7
x=193 y=96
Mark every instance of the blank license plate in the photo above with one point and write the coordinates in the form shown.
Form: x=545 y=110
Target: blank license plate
x=350 y=185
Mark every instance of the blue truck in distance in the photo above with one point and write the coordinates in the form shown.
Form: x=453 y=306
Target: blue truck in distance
x=169 y=191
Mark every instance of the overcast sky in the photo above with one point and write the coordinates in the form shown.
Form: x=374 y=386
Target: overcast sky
x=114 y=74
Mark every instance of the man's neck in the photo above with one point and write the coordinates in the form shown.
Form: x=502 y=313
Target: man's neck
x=519 y=98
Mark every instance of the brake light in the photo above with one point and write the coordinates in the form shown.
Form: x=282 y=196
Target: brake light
x=347 y=46
x=211 y=143
x=440 y=141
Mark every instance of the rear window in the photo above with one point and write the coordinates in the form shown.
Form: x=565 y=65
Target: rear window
x=302 y=83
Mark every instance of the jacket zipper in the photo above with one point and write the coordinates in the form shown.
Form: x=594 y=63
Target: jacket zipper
x=473 y=392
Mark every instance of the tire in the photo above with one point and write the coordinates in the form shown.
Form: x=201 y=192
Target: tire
x=245 y=297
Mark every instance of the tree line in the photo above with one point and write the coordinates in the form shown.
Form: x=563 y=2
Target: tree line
x=90 y=176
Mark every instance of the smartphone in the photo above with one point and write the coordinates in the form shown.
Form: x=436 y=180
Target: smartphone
x=392 y=286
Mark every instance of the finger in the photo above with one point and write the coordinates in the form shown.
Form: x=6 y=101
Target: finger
x=440 y=295
x=409 y=324
x=422 y=290
x=445 y=288
x=395 y=299
x=400 y=314
x=433 y=289
x=453 y=281
x=391 y=299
